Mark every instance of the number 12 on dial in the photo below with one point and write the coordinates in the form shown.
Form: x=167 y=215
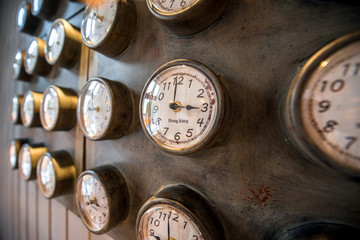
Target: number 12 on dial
x=182 y=107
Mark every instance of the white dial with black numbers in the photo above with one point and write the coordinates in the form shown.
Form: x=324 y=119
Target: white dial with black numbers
x=181 y=105
x=28 y=109
x=55 y=42
x=46 y=172
x=31 y=57
x=50 y=108
x=329 y=105
x=173 y=6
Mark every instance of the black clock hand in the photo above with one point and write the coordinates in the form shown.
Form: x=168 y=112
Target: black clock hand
x=175 y=89
x=189 y=107
x=169 y=228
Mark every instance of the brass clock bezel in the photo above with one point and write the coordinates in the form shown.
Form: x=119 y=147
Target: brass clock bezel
x=220 y=126
x=36 y=151
x=35 y=121
x=121 y=110
x=66 y=117
x=17 y=120
x=42 y=68
x=116 y=191
x=17 y=143
x=65 y=173
x=191 y=202
x=120 y=33
x=192 y=19
x=290 y=116
x=70 y=53
x=22 y=75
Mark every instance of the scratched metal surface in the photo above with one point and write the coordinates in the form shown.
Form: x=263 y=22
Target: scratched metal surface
x=257 y=182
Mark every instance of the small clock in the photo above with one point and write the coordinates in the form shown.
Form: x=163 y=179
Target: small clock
x=35 y=62
x=186 y=17
x=13 y=151
x=25 y=21
x=104 y=109
x=102 y=198
x=14 y=109
x=183 y=107
x=18 y=67
x=30 y=109
x=56 y=173
x=108 y=26
x=321 y=106
x=63 y=44
x=178 y=212
x=58 y=108
x=45 y=9
x=29 y=156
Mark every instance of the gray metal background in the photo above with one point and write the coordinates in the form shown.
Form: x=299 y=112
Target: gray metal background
x=257 y=182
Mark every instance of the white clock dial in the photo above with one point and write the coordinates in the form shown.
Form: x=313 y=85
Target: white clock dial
x=21 y=15
x=25 y=164
x=28 y=109
x=12 y=154
x=47 y=175
x=93 y=202
x=14 y=109
x=16 y=66
x=55 y=42
x=181 y=107
x=36 y=6
x=50 y=108
x=97 y=21
x=163 y=221
x=172 y=6
x=31 y=57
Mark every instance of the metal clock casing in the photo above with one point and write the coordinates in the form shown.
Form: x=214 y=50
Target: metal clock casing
x=198 y=116
x=58 y=108
x=30 y=109
x=29 y=156
x=114 y=23
x=319 y=110
x=14 y=109
x=25 y=21
x=56 y=173
x=102 y=198
x=104 y=109
x=18 y=67
x=178 y=212
x=13 y=151
x=63 y=44
x=188 y=17
x=35 y=62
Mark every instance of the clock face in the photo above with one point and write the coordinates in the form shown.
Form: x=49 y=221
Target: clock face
x=25 y=165
x=50 y=108
x=92 y=202
x=55 y=42
x=12 y=154
x=172 y=6
x=21 y=15
x=97 y=22
x=28 y=109
x=16 y=66
x=31 y=57
x=14 y=109
x=46 y=172
x=36 y=6
x=180 y=107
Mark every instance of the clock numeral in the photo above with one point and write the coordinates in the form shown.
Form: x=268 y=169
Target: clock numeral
x=156 y=108
x=158 y=121
x=324 y=106
x=177 y=136
x=185 y=223
x=335 y=86
x=152 y=232
x=201 y=93
x=168 y=88
x=351 y=140
x=348 y=66
x=190 y=82
x=161 y=96
x=200 y=121
x=176 y=217
x=195 y=237
x=189 y=132
x=172 y=3
x=330 y=126
x=162 y=214
x=166 y=130
x=205 y=107
x=178 y=80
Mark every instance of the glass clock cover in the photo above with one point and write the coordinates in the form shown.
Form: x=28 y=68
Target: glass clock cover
x=55 y=42
x=31 y=56
x=18 y=69
x=13 y=151
x=35 y=63
x=47 y=175
x=29 y=156
x=14 y=109
x=50 y=108
x=30 y=109
x=25 y=21
x=45 y=8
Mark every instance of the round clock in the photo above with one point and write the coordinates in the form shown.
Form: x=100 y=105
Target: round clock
x=13 y=151
x=321 y=107
x=178 y=212
x=58 y=108
x=29 y=156
x=45 y=8
x=63 y=45
x=186 y=17
x=30 y=108
x=104 y=109
x=35 y=62
x=25 y=21
x=56 y=173
x=182 y=107
x=18 y=67
x=14 y=109
x=108 y=26
x=102 y=198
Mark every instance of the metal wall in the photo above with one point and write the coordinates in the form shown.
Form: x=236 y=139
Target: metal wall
x=258 y=183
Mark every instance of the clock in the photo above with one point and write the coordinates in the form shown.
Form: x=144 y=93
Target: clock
x=58 y=108
x=14 y=109
x=178 y=212
x=30 y=109
x=18 y=67
x=107 y=27
x=102 y=198
x=25 y=21
x=104 y=109
x=183 y=107
x=35 y=62
x=29 y=156
x=45 y=9
x=186 y=17
x=63 y=44
x=13 y=151
x=56 y=173
x=320 y=109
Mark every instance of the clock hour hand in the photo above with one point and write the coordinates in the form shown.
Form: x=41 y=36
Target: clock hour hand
x=176 y=105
